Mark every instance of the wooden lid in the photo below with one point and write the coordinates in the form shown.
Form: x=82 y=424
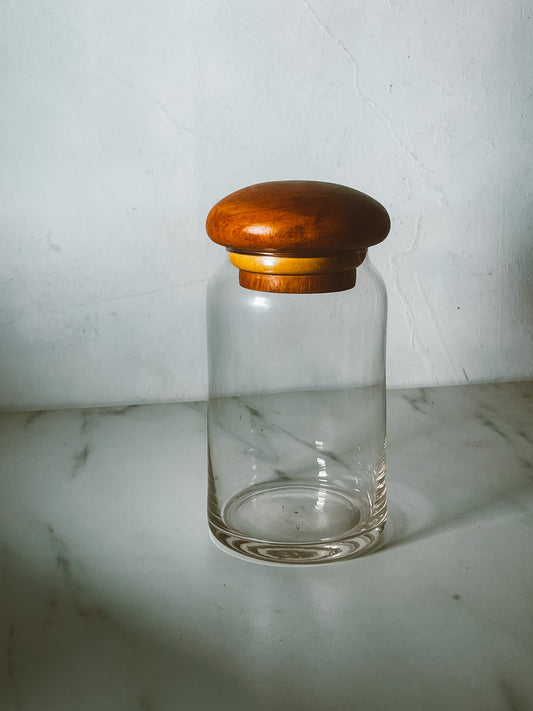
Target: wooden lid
x=279 y=233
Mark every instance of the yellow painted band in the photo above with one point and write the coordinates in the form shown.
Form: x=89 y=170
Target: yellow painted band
x=267 y=264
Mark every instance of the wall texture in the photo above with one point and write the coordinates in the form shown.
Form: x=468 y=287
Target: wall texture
x=123 y=121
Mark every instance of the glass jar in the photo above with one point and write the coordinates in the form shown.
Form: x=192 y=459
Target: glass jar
x=296 y=411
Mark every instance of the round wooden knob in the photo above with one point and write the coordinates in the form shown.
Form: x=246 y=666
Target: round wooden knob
x=297 y=236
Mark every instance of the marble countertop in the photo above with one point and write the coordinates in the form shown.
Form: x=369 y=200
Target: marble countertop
x=114 y=598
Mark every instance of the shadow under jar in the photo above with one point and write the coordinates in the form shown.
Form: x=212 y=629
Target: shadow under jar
x=296 y=323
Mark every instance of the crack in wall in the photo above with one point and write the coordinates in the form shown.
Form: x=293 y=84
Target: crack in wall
x=366 y=99
x=416 y=341
x=381 y=113
x=163 y=109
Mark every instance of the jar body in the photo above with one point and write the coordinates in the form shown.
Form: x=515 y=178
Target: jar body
x=296 y=419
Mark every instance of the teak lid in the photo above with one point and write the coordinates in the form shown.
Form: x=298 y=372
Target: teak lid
x=297 y=236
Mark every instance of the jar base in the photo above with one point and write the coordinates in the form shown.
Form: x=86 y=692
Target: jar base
x=296 y=524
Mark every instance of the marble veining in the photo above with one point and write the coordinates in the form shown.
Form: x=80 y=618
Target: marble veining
x=113 y=596
x=273 y=429
x=513 y=698
x=418 y=400
x=32 y=416
x=70 y=582
x=86 y=419
x=80 y=459
x=484 y=416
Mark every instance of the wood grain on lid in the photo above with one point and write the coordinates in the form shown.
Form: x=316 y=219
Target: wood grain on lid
x=325 y=224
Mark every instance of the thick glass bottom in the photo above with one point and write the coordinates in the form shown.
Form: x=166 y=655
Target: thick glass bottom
x=297 y=524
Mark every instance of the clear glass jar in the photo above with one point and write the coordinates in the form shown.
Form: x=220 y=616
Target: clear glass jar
x=296 y=322
x=296 y=419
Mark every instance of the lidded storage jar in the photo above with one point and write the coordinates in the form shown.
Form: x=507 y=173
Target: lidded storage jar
x=296 y=337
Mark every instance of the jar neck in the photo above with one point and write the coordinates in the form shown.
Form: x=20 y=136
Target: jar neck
x=288 y=273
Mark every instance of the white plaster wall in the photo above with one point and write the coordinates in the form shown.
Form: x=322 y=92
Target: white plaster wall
x=123 y=121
